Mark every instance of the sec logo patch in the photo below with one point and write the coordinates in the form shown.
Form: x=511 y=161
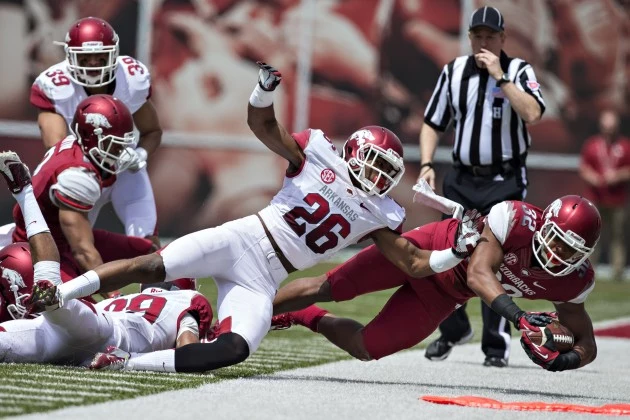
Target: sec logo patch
x=510 y=259
x=328 y=176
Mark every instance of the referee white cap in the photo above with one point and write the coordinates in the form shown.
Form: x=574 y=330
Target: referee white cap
x=487 y=16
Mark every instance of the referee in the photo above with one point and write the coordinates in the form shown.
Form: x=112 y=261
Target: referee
x=490 y=97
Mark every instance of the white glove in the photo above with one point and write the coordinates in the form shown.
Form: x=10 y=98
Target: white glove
x=468 y=234
x=425 y=195
x=268 y=77
x=133 y=159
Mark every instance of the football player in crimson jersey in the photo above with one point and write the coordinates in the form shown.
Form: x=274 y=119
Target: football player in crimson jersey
x=93 y=66
x=326 y=203
x=523 y=252
x=141 y=322
x=70 y=181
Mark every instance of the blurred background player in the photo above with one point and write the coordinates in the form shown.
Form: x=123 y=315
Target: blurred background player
x=605 y=167
x=93 y=66
x=154 y=319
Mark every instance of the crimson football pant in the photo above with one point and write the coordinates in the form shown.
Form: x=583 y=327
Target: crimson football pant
x=412 y=313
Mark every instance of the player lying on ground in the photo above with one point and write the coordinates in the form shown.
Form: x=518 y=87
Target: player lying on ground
x=153 y=320
x=523 y=252
x=326 y=203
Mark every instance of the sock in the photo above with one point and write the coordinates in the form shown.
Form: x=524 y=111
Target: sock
x=309 y=317
x=157 y=361
x=33 y=218
x=84 y=285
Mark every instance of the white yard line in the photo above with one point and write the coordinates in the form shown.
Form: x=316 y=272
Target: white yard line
x=389 y=388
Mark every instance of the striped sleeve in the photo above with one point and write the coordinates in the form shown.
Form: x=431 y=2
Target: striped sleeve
x=438 y=110
x=526 y=81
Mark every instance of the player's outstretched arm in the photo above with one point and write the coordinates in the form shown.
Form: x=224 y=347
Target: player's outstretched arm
x=576 y=319
x=114 y=275
x=417 y=262
x=262 y=121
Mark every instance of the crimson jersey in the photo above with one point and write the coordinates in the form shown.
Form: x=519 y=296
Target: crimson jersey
x=54 y=91
x=319 y=211
x=514 y=224
x=64 y=176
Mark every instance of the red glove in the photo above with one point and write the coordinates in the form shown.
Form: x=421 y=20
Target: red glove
x=541 y=355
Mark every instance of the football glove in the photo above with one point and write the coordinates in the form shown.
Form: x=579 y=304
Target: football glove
x=268 y=77
x=133 y=159
x=531 y=321
x=544 y=355
x=467 y=234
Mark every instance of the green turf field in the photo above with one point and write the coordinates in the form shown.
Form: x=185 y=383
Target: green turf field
x=40 y=388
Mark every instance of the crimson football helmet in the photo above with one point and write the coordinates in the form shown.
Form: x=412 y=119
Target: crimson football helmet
x=103 y=127
x=90 y=36
x=573 y=220
x=374 y=156
x=187 y=283
x=16 y=280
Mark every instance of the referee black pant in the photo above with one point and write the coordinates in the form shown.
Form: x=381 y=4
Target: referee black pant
x=481 y=193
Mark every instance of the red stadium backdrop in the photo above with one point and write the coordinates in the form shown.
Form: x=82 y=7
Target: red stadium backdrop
x=346 y=63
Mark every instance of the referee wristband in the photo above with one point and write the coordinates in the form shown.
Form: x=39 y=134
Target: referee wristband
x=427 y=165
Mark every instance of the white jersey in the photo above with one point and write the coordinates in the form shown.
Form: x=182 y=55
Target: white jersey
x=319 y=211
x=161 y=312
x=54 y=91
x=72 y=334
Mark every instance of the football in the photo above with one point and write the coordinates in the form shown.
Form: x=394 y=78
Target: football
x=555 y=336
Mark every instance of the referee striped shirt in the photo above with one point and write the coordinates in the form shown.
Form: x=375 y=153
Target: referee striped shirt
x=487 y=130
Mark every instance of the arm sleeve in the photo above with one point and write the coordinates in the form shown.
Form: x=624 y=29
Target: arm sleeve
x=438 y=110
x=188 y=323
x=77 y=188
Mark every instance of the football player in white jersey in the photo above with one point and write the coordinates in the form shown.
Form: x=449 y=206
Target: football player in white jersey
x=326 y=203
x=93 y=66
x=142 y=322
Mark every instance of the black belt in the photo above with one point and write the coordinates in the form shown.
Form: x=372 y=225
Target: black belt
x=285 y=262
x=504 y=168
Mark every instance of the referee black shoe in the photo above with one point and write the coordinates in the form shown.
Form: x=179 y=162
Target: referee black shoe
x=441 y=348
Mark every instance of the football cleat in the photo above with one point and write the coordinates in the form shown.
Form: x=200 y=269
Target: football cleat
x=44 y=297
x=282 y=321
x=112 y=359
x=14 y=171
x=441 y=348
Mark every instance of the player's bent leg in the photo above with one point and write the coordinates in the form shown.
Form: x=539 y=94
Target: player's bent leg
x=133 y=201
x=227 y=350
x=301 y=293
x=345 y=333
x=409 y=316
